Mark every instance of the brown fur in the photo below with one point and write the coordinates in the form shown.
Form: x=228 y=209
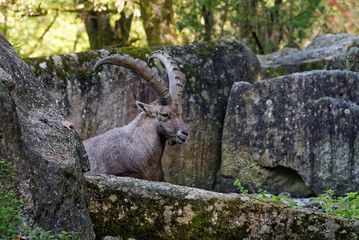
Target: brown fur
x=136 y=149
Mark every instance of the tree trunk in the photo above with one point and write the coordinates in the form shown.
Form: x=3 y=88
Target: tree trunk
x=100 y=32
x=158 y=22
x=207 y=14
x=248 y=24
x=123 y=26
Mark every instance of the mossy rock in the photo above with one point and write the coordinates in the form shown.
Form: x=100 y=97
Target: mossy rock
x=153 y=210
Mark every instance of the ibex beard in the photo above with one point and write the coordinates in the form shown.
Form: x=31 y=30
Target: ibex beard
x=136 y=149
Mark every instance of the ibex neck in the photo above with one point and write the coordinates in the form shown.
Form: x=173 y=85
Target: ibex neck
x=150 y=144
x=144 y=129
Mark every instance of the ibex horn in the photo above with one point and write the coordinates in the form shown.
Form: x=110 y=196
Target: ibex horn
x=174 y=74
x=141 y=68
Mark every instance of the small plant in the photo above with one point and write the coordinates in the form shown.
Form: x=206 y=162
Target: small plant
x=293 y=204
x=11 y=226
x=9 y=205
x=240 y=187
x=279 y=198
x=250 y=166
x=17 y=47
x=347 y=206
x=40 y=234
x=261 y=193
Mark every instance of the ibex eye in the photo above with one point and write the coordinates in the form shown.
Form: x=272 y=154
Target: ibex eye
x=165 y=115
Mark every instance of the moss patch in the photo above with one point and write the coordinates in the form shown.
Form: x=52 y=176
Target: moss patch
x=205 y=49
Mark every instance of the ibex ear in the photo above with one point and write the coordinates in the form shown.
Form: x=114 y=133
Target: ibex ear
x=148 y=109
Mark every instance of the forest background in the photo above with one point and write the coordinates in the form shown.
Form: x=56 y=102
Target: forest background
x=37 y=28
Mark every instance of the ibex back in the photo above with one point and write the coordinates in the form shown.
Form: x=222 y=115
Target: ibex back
x=136 y=149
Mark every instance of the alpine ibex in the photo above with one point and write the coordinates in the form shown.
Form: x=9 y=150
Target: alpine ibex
x=136 y=149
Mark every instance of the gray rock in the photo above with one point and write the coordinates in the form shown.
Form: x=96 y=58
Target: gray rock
x=48 y=158
x=275 y=56
x=329 y=52
x=297 y=134
x=97 y=102
x=132 y=208
x=110 y=238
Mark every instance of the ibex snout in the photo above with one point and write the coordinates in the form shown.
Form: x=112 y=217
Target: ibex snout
x=182 y=136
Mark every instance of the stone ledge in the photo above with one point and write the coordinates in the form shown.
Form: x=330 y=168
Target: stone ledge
x=132 y=208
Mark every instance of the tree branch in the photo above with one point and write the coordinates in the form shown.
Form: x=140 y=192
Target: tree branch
x=44 y=33
x=44 y=12
x=48 y=27
x=261 y=50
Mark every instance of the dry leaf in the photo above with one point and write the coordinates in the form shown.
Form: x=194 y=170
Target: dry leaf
x=68 y=125
x=21 y=237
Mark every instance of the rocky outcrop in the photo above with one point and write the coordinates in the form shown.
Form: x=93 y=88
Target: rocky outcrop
x=297 y=133
x=329 y=52
x=48 y=157
x=140 y=209
x=97 y=102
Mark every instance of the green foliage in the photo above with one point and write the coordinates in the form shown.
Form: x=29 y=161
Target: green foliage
x=279 y=198
x=341 y=16
x=42 y=32
x=9 y=205
x=347 y=206
x=55 y=27
x=17 y=47
x=10 y=220
x=40 y=234
x=190 y=23
x=240 y=187
x=261 y=193
x=263 y=25
x=267 y=25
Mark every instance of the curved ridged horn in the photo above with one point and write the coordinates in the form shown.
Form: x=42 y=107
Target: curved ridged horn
x=141 y=68
x=174 y=74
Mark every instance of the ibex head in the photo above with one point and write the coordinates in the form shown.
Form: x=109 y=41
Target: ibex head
x=166 y=111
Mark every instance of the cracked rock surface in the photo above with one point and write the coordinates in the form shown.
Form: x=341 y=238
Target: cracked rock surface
x=48 y=158
x=297 y=133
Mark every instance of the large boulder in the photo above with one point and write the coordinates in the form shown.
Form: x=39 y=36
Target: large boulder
x=329 y=52
x=297 y=133
x=48 y=157
x=98 y=102
x=139 y=209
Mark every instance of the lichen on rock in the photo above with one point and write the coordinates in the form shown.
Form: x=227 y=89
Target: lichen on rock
x=153 y=210
x=48 y=158
x=297 y=133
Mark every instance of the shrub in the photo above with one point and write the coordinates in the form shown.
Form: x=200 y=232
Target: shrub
x=9 y=205
x=347 y=206
x=11 y=226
